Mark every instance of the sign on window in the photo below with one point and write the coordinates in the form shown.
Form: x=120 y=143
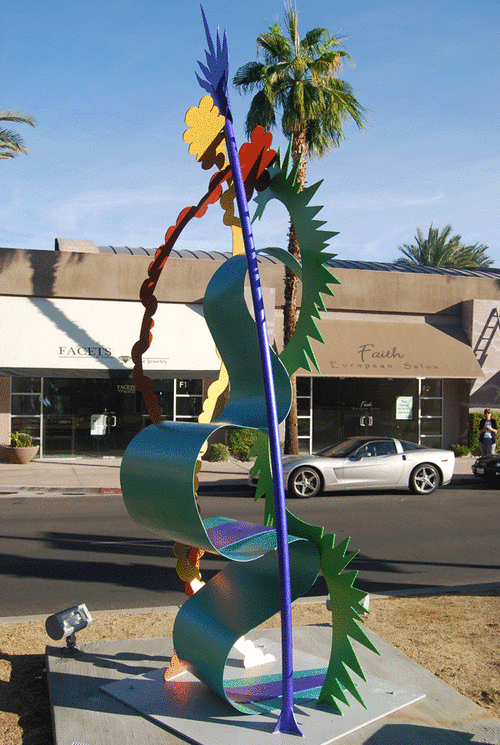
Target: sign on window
x=404 y=407
x=98 y=424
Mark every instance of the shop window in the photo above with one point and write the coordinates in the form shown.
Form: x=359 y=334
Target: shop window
x=430 y=427
x=350 y=407
x=188 y=407
x=26 y=385
x=71 y=405
x=25 y=406
x=431 y=413
x=164 y=390
x=430 y=407
x=188 y=400
x=31 y=425
x=432 y=388
x=303 y=386
x=189 y=387
x=432 y=441
x=304 y=414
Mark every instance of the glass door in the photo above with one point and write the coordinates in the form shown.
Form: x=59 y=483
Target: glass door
x=351 y=407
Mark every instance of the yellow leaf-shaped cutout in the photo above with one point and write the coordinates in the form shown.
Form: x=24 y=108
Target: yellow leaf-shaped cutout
x=205 y=134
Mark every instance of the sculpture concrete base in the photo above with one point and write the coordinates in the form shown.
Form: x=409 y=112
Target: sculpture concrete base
x=83 y=713
x=186 y=706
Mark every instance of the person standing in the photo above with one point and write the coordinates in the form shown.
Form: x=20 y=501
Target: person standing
x=487 y=434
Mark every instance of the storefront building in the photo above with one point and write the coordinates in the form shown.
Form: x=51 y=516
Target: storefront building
x=407 y=352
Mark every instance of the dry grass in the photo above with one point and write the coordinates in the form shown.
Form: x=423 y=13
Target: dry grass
x=456 y=637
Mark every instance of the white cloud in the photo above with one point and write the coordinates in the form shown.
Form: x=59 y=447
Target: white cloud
x=383 y=203
x=74 y=213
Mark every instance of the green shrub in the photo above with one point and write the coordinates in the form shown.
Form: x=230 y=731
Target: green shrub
x=460 y=450
x=20 y=440
x=474 y=420
x=218 y=452
x=241 y=441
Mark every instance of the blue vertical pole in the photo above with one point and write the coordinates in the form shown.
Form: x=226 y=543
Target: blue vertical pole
x=286 y=721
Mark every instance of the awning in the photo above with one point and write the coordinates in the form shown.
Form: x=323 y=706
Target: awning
x=61 y=337
x=394 y=349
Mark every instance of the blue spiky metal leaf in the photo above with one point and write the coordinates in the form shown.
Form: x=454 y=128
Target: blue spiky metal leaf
x=216 y=71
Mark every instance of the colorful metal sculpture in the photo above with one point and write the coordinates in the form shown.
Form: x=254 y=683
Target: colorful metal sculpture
x=159 y=467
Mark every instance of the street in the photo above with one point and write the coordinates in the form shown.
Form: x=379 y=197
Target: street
x=58 y=552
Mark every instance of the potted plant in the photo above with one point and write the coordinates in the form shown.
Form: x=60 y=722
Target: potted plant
x=21 y=448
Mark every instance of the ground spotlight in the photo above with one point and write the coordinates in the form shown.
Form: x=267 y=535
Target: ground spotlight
x=66 y=623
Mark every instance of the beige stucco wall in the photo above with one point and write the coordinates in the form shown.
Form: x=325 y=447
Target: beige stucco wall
x=106 y=276
x=481 y=324
x=119 y=276
x=456 y=412
x=469 y=300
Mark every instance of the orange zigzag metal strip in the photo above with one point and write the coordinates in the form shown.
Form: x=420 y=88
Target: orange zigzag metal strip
x=255 y=157
x=148 y=299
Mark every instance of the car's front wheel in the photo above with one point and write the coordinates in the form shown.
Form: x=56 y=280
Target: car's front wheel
x=305 y=482
x=424 y=479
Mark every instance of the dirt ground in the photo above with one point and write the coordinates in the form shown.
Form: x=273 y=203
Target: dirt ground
x=456 y=637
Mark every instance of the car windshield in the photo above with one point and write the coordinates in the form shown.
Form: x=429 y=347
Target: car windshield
x=342 y=449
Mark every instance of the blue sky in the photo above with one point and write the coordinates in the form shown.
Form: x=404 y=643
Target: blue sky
x=109 y=82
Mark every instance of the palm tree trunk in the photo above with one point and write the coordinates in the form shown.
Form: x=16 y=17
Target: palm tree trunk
x=289 y=324
x=290 y=304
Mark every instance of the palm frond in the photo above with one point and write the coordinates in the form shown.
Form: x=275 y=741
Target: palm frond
x=11 y=144
x=292 y=22
x=300 y=79
x=261 y=112
x=277 y=48
x=314 y=38
x=248 y=76
x=17 y=116
x=440 y=250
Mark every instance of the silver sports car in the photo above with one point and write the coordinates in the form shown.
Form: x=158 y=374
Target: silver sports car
x=368 y=463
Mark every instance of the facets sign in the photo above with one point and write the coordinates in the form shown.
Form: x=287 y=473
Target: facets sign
x=84 y=351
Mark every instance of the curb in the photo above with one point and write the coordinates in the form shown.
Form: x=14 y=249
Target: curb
x=75 y=491
x=317 y=600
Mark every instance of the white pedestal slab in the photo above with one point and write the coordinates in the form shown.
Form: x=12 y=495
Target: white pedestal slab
x=186 y=706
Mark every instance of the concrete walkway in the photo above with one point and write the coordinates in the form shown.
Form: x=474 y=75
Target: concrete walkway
x=102 y=475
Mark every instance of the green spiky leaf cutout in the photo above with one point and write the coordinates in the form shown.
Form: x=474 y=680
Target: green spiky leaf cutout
x=316 y=278
x=262 y=469
x=346 y=614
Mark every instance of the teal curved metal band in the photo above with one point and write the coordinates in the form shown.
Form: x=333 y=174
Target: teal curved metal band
x=157 y=475
x=235 y=601
x=235 y=336
x=158 y=466
x=157 y=484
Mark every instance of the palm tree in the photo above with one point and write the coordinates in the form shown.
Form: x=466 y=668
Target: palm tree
x=438 y=249
x=297 y=81
x=10 y=142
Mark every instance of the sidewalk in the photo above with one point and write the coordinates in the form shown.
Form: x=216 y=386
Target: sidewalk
x=86 y=476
